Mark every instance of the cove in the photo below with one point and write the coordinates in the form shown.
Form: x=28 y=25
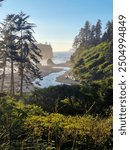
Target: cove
x=50 y=80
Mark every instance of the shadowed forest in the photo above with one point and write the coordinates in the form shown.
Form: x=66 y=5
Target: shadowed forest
x=62 y=117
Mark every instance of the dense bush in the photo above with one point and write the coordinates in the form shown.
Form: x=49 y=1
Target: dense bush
x=62 y=98
x=79 y=132
x=12 y=118
x=92 y=98
x=29 y=127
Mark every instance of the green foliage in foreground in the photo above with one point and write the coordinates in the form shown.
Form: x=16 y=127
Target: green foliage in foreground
x=79 y=131
x=29 y=127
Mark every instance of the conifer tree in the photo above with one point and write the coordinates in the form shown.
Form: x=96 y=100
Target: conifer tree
x=28 y=52
x=108 y=35
x=8 y=48
x=87 y=32
x=92 y=35
x=98 y=32
x=18 y=45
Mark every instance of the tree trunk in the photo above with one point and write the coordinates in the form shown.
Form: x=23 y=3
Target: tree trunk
x=3 y=75
x=21 y=68
x=12 y=79
x=21 y=84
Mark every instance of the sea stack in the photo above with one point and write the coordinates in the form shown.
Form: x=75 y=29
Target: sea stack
x=46 y=52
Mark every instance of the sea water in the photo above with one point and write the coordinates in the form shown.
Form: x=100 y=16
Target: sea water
x=61 y=57
x=50 y=80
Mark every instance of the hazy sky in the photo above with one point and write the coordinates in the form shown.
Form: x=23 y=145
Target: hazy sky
x=59 y=21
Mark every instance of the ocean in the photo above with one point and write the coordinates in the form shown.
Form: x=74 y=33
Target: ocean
x=61 y=57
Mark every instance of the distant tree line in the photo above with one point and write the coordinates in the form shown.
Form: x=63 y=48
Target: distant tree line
x=92 y=35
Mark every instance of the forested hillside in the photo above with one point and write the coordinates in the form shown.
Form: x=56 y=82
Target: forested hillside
x=93 y=59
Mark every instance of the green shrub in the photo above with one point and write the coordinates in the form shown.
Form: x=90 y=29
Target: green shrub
x=74 y=132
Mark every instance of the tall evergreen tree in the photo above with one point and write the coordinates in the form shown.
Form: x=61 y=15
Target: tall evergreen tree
x=108 y=35
x=8 y=48
x=82 y=40
x=79 y=40
x=18 y=45
x=87 y=33
x=92 y=35
x=28 y=51
x=98 y=32
x=3 y=58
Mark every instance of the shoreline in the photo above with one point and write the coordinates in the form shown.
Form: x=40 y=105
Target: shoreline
x=63 y=79
x=45 y=71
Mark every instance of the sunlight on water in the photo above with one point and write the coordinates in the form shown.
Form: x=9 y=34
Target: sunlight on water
x=50 y=80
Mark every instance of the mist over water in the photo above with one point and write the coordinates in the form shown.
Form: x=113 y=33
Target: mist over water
x=61 y=57
x=58 y=58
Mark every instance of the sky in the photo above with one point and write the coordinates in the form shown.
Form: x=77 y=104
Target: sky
x=59 y=21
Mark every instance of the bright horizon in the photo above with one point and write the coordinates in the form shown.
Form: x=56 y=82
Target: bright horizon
x=58 y=22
